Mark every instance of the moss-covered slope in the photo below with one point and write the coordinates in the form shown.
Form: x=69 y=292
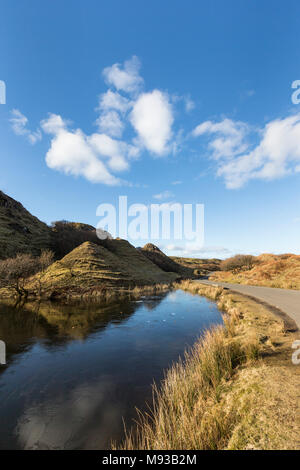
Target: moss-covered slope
x=92 y=267
x=21 y=232
x=164 y=262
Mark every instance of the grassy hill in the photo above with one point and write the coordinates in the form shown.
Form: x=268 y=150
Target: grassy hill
x=91 y=269
x=21 y=232
x=202 y=266
x=164 y=262
x=281 y=271
x=85 y=264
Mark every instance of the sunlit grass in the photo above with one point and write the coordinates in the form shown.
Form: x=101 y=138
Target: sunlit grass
x=223 y=394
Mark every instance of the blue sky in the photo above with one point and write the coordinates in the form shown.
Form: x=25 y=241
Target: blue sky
x=127 y=98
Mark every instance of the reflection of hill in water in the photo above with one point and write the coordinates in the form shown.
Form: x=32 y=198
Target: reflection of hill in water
x=21 y=325
x=150 y=303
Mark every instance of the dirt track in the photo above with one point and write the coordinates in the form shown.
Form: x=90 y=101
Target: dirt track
x=284 y=300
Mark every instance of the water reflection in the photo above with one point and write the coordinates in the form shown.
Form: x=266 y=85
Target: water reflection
x=73 y=372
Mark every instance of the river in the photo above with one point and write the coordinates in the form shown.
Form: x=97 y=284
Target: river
x=73 y=373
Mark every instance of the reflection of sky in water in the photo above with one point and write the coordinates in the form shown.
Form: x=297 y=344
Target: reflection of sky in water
x=62 y=421
x=61 y=392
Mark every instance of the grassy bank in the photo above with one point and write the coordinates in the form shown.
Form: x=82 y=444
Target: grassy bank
x=90 y=271
x=236 y=389
x=99 y=294
x=281 y=271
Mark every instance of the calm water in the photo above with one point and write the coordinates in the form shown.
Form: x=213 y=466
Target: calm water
x=72 y=373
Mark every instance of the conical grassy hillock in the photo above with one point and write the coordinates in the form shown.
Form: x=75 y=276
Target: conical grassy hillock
x=164 y=262
x=21 y=232
x=92 y=267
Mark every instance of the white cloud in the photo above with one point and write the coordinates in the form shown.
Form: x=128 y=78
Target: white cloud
x=277 y=155
x=19 y=125
x=175 y=183
x=164 y=195
x=111 y=123
x=18 y=122
x=34 y=137
x=112 y=108
x=113 y=100
x=126 y=78
x=70 y=153
x=229 y=138
x=152 y=118
x=114 y=150
x=147 y=118
x=93 y=157
x=199 y=251
x=151 y=113
x=189 y=103
x=53 y=124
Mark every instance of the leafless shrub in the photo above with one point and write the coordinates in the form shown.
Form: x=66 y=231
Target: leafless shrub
x=15 y=271
x=238 y=263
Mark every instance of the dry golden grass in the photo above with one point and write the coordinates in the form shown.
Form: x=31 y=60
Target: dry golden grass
x=97 y=272
x=230 y=391
x=282 y=271
x=164 y=262
x=199 y=266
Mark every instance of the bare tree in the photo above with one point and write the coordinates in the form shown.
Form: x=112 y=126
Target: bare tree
x=15 y=271
x=239 y=263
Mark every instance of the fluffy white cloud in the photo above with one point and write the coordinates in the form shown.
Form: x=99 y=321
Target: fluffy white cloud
x=276 y=155
x=146 y=117
x=112 y=108
x=126 y=78
x=19 y=125
x=152 y=118
x=53 y=124
x=111 y=123
x=229 y=137
x=93 y=157
x=70 y=153
x=115 y=151
x=113 y=100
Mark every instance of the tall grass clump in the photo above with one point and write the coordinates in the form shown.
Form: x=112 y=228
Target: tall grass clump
x=229 y=391
x=186 y=411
